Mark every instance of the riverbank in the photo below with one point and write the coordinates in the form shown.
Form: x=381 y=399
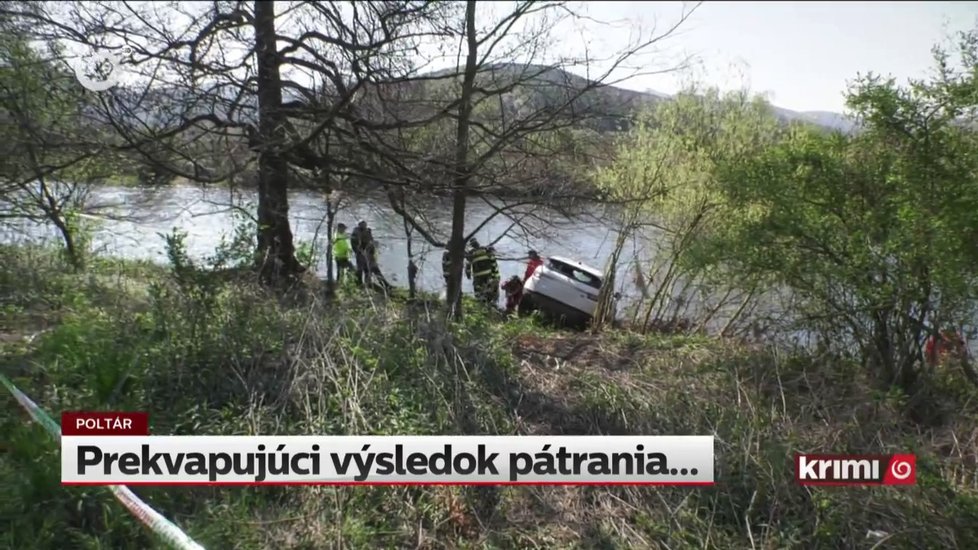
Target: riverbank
x=209 y=356
x=134 y=224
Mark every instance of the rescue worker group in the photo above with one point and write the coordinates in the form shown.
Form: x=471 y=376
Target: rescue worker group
x=481 y=266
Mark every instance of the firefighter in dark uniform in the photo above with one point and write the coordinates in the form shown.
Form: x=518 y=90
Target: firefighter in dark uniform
x=362 y=242
x=483 y=269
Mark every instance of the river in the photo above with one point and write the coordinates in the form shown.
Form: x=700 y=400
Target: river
x=130 y=222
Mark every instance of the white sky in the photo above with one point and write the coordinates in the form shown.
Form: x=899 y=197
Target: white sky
x=800 y=53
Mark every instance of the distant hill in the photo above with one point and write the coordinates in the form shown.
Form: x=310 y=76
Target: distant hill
x=515 y=91
x=609 y=108
x=826 y=119
x=605 y=108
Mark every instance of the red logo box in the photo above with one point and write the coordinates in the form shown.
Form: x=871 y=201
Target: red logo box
x=104 y=423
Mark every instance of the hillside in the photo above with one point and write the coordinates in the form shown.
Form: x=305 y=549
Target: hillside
x=605 y=108
x=506 y=93
x=204 y=356
x=825 y=119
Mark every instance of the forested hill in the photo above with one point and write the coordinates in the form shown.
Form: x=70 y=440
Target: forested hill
x=529 y=88
x=605 y=107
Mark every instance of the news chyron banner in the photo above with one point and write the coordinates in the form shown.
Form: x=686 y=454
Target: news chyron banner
x=116 y=449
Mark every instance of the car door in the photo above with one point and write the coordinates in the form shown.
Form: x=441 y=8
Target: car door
x=568 y=285
x=550 y=280
x=586 y=288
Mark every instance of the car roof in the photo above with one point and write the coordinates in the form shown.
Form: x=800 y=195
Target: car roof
x=583 y=267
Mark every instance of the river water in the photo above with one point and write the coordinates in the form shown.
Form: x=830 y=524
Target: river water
x=130 y=222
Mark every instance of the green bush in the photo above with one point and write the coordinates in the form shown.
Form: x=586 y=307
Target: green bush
x=873 y=232
x=210 y=354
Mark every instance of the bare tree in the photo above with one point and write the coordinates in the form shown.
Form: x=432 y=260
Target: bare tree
x=275 y=233
x=514 y=116
x=206 y=78
x=202 y=82
x=48 y=162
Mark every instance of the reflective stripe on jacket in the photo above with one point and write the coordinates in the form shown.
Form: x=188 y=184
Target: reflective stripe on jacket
x=482 y=263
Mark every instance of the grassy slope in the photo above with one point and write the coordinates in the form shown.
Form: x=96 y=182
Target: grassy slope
x=225 y=358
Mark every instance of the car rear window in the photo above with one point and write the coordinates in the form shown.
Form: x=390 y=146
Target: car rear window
x=575 y=273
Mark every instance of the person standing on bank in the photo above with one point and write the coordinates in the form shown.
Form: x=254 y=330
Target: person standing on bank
x=483 y=269
x=362 y=240
x=944 y=345
x=531 y=266
x=341 y=253
x=373 y=268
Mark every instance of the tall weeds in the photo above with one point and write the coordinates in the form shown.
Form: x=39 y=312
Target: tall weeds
x=222 y=355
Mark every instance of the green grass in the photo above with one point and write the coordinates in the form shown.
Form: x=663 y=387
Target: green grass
x=208 y=355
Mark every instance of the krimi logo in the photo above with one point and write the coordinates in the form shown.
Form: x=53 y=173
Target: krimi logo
x=898 y=469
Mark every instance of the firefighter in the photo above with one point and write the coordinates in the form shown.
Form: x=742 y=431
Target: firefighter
x=373 y=268
x=483 y=269
x=362 y=240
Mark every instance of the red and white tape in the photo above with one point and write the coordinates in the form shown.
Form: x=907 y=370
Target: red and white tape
x=149 y=517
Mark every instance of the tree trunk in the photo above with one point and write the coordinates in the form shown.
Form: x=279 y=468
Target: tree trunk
x=71 y=250
x=456 y=243
x=412 y=268
x=276 y=250
x=330 y=230
x=49 y=205
x=54 y=214
x=604 y=311
x=654 y=305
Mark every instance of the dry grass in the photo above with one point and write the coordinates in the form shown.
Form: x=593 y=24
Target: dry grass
x=762 y=406
x=253 y=363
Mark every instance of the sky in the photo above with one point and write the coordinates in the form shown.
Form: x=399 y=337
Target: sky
x=799 y=53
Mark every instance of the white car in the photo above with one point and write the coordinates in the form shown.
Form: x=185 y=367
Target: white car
x=563 y=288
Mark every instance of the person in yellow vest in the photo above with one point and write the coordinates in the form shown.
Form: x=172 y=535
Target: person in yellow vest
x=342 y=249
x=483 y=269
